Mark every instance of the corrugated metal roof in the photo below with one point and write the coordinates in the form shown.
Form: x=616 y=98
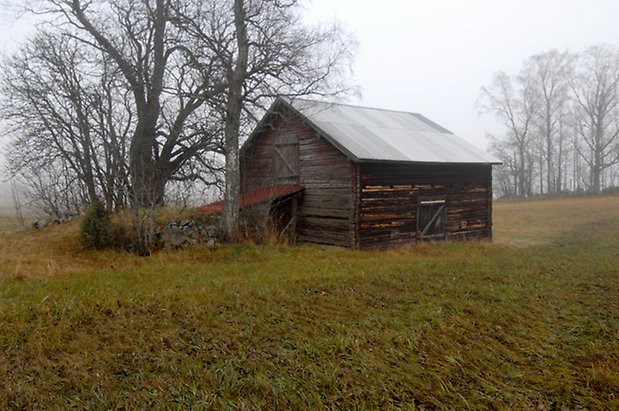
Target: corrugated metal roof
x=254 y=198
x=369 y=134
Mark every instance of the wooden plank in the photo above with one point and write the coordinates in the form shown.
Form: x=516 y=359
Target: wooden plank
x=324 y=212
x=341 y=201
x=320 y=239
x=325 y=223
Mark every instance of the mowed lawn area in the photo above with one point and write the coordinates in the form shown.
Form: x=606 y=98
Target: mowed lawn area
x=530 y=321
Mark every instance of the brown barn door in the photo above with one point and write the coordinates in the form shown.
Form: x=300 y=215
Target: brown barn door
x=286 y=158
x=431 y=218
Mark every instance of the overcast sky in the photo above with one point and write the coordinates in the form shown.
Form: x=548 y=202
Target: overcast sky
x=433 y=56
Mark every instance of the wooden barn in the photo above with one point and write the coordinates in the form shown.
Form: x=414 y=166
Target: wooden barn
x=365 y=178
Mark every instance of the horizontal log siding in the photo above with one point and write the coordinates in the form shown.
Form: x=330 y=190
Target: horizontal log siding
x=389 y=194
x=326 y=210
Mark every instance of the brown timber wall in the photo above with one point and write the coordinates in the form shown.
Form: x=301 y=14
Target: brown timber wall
x=326 y=210
x=389 y=194
x=258 y=165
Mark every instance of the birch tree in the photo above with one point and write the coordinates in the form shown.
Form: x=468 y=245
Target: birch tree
x=561 y=116
x=596 y=94
x=549 y=74
x=516 y=109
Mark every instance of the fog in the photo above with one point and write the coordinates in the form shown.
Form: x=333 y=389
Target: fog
x=433 y=57
x=5 y=196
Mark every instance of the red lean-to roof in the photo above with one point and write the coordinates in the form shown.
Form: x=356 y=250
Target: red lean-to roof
x=254 y=198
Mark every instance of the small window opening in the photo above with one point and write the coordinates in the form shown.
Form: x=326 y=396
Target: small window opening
x=431 y=218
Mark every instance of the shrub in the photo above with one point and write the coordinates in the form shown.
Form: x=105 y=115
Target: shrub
x=96 y=230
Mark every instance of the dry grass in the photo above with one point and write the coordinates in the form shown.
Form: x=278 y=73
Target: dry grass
x=539 y=222
x=55 y=251
x=8 y=223
x=531 y=322
x=52 y=252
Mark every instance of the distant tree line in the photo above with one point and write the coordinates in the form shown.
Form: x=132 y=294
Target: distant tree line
x=119 y=100
x=561 y=116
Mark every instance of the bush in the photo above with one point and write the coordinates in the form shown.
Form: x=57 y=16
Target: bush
x=96 y=230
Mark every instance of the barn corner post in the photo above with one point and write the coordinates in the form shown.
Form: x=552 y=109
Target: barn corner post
x=356 y=214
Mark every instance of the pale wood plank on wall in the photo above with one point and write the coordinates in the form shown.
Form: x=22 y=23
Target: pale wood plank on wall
x=390 y=192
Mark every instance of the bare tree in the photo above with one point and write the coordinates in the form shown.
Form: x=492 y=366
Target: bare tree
x=59 y=104
x=596 y=93
x=195 y=75
x=164 y=74
x=562 y=119
x=265 y=51
x=505 y=177
x=549 y=74
x=53 y=188
x=516 y=109
x=17 y=205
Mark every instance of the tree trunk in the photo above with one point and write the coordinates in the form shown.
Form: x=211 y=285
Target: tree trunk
x=596 y=171
x=541 y=171
x=521 y=174
x=549 y=167
x=233 y=122
x=559 y=180
x=596 y=166
x=144 y=171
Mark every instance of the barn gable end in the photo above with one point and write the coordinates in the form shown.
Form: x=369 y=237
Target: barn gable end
x=288 y=151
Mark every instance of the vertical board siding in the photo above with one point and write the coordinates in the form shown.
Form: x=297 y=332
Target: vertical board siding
x=389 y=194
x=326 y=210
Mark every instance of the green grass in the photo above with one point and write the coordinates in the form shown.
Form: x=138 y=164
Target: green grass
x=531 y=321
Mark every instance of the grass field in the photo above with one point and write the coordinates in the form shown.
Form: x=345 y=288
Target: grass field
x=530 y=321
x=8 y=222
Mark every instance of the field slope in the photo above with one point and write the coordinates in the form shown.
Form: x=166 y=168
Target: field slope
x=528 y=322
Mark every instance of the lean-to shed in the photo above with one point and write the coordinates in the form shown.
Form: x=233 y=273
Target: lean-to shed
x=362 y=177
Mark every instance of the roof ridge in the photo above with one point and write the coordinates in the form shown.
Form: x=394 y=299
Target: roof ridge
x=333 y=103
x=363 y=134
